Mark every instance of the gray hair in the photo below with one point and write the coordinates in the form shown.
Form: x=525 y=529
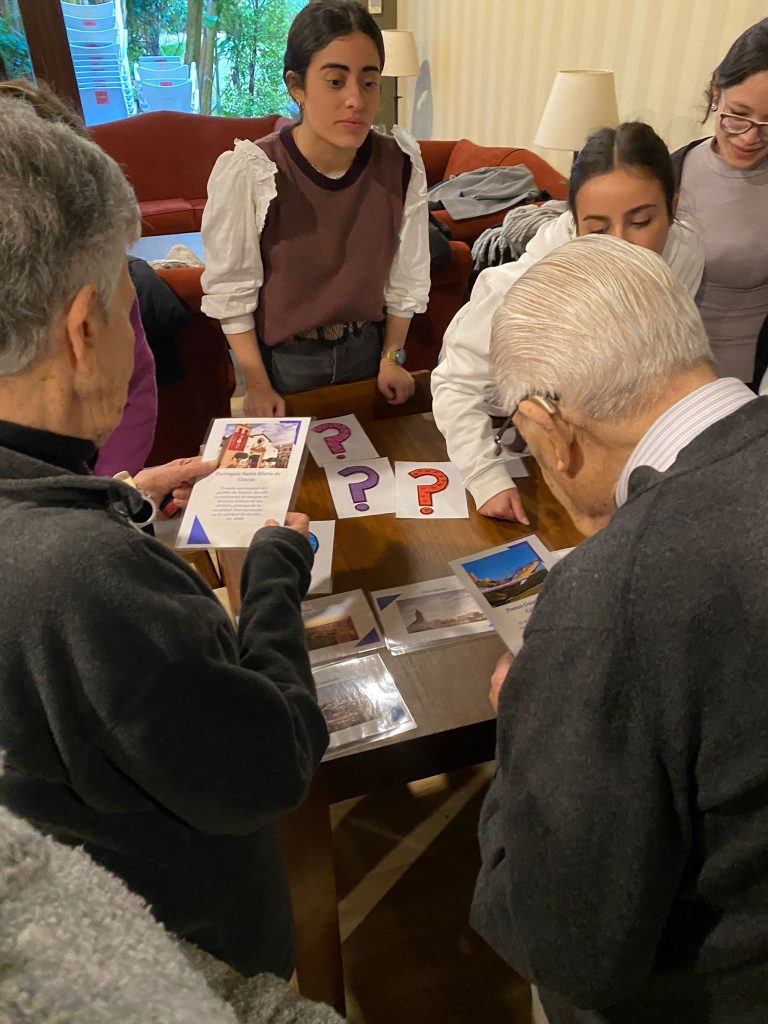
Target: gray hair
x=67 y=215
x=599 y=323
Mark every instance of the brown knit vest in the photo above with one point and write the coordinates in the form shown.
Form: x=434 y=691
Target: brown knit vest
x=328 y=244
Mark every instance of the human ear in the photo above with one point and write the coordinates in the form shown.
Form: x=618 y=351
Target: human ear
x=81 y=324
x=675 y=199
x=553 y=431
x=294 y=83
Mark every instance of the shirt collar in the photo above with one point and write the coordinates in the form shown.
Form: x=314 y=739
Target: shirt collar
x=679 y=425
x=71 y=453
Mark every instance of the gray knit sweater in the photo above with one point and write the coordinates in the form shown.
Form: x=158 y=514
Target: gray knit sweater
x=76 y=947
x=625 y=837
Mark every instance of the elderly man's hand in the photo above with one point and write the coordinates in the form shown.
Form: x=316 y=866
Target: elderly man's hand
x=503 y=666
x=174 y=478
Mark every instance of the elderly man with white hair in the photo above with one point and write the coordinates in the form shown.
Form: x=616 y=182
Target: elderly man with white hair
x=133 y=719
x=625 y=837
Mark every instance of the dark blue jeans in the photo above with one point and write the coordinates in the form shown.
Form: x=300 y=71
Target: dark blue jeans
x=305 y=363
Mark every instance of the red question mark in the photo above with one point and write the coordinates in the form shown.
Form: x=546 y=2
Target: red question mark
x=426 y=491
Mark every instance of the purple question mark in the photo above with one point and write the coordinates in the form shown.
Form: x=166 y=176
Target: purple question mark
x=357 y=490
x=335 y=443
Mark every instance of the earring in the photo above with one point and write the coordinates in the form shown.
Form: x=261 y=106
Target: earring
x=713 y=105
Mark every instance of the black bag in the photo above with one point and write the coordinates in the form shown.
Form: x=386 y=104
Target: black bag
x=439 y=249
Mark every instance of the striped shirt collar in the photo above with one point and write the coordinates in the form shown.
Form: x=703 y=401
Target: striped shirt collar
x=680 y=424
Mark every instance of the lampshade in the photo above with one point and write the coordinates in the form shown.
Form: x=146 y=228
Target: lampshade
x=579 y=102
x=399 y=53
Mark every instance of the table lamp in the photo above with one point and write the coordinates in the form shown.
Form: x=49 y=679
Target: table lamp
x=579 y=102
x=400 y=59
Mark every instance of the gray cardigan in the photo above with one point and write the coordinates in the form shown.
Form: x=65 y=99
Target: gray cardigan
x=625 y=837
x=76 y=946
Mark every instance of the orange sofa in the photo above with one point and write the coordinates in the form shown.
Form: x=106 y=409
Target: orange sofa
x=444 y=159
x=168 y=157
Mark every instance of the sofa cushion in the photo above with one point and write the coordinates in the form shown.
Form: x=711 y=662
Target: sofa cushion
x=167 y=153
x=166 y=216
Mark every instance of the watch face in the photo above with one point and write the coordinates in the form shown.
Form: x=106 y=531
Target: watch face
x=400 y=356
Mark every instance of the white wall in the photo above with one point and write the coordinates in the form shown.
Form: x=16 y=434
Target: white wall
x=493 y=61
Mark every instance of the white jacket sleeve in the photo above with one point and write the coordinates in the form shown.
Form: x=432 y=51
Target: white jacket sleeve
x=684 y=254
x=463 y=394
x=240 y=189
x=407 y=289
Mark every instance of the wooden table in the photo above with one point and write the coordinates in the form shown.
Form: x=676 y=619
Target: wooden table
x=446 y=688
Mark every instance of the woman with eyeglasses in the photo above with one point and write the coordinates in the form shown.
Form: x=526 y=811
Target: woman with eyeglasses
x=622 y=184
x=724 y=193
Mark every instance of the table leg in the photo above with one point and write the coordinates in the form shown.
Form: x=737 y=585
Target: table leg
x=308 y=847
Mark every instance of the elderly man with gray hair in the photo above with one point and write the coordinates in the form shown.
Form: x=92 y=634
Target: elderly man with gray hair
x=625 y=837
x=134 y=721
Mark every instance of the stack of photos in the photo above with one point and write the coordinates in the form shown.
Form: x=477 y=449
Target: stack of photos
x=504 y=581
x=339 y=626
x=424 y=614
x=360 y=702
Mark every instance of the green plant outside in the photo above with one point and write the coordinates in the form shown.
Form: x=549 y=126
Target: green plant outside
x=244 y=70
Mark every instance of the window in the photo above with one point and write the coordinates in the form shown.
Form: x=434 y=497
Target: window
x=14 y=52
x=208 y=56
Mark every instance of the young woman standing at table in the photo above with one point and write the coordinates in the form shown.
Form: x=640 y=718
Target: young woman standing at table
x=315 y=237
x=622 y=184
x=724 y=193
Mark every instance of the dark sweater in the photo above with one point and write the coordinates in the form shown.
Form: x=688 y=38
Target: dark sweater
x=328 y=244
x=133 y=719
x=625 y=837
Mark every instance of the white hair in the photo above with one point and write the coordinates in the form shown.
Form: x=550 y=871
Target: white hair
x=67 y=215
x=599 y=323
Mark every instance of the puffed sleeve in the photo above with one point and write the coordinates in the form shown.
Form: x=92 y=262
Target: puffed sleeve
x=407 y=289
x=240 y=189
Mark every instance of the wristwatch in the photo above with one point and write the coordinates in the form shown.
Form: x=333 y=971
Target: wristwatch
x=395 y=356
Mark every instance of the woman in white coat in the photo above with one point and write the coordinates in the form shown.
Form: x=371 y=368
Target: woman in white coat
x=622 y=184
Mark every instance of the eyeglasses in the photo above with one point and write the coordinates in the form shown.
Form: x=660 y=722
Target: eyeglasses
x=735 y=124
x=545 y=401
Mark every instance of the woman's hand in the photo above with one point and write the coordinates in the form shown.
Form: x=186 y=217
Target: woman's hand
x=505 y=505
x=395 y=383
x=174 y=478
x=262 y=400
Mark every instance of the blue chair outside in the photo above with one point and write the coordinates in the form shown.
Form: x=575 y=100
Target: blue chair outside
x=176 y=96
x=158 y=73
x=96 y=50
x=148 y=61
x=96 y=11
x=102 y=105
x=96 y=35
x=90 y=24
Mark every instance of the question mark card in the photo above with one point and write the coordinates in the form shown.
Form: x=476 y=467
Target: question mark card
x=362 y=488
x=321 y=540
x=339 y=440
x=429 y=490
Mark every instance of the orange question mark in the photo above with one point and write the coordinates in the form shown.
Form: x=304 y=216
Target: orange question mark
x=425 y=491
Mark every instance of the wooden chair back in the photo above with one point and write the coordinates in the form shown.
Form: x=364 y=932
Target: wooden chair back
x=362 y=398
